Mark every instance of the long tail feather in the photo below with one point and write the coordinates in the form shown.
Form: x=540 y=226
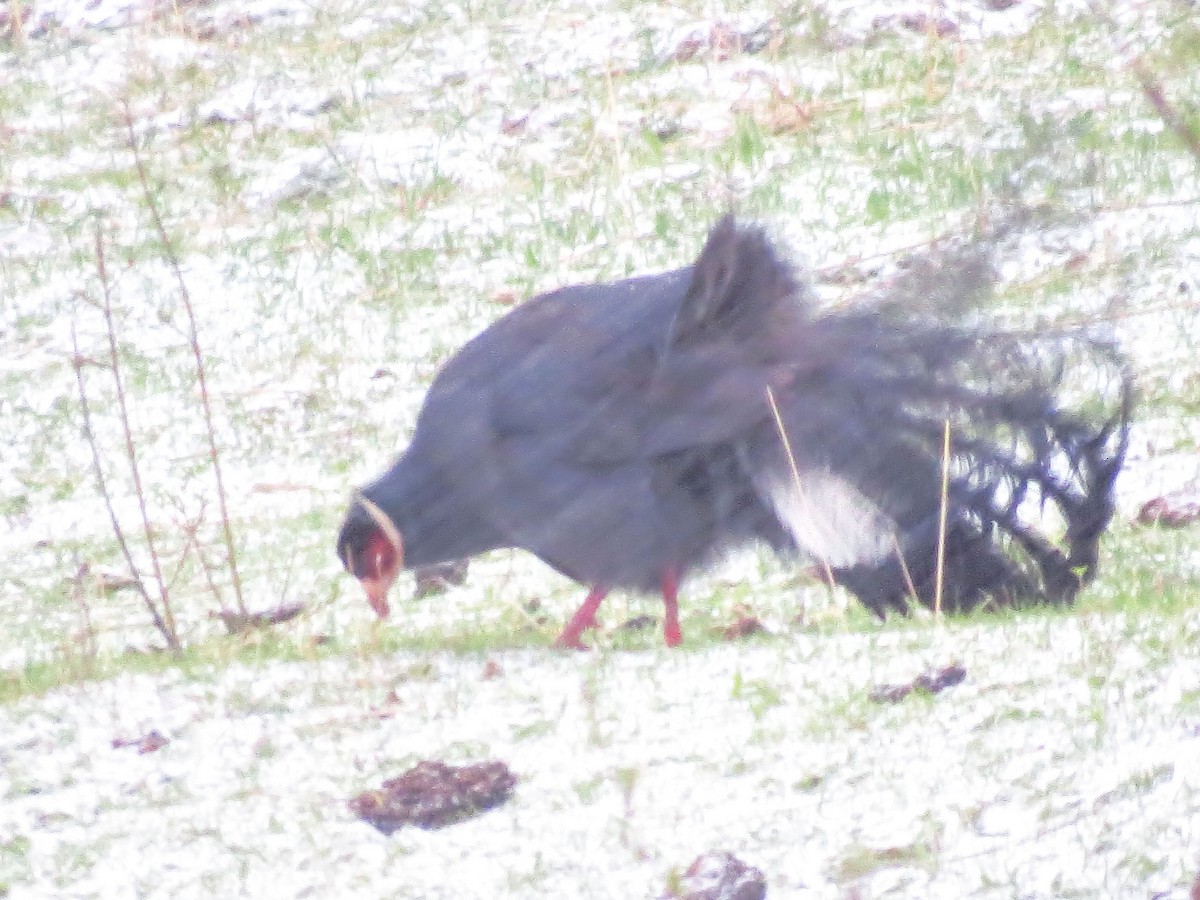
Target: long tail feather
x=1039 y=428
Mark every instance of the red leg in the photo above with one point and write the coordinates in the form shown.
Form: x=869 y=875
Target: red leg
x=670 y=591
x=584 y=618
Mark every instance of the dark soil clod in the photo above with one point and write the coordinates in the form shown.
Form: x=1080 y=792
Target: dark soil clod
x=743 y=627
x=237 y=622
x=927 y=683
x=432 y=795
x=1173 y=510
x=638 y=623
x=147 y=743
x=720 y=876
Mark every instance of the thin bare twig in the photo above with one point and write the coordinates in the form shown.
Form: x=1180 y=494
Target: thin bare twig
x=130 y=451
x=190 y=525
x=188 y=545
x=167 y=631
x=194 y=339
x=209 y=571
x=1152 y=88
x=87 y=630
x=287 y=577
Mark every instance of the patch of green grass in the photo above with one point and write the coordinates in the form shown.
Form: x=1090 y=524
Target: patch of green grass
x=1136 y=560
x=861 y=862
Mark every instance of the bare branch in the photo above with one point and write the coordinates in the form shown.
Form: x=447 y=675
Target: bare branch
x=194 y=340
x=168 y=632
x=1152 y=88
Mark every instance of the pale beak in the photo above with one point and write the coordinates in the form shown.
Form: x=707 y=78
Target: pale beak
x=389 y=559
x=377 y=591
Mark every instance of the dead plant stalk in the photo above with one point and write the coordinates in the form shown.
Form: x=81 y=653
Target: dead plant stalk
x=791 y=457
x=163 y=621
x=198 y=355
x=943 y=508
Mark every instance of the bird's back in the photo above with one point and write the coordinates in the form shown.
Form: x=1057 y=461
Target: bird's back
x=555 y=420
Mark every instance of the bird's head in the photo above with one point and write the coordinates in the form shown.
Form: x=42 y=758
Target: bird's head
x=372 y=550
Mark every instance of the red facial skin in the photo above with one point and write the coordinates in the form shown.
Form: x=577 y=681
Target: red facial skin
x=381 y=563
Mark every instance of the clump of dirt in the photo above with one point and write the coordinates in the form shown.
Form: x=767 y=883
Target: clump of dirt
x=147 y=743
x=718 y=875
x=1173 y=510
x=432 y=795
x=743 y=626
x=926 y=683
x=638 y=623
x=236 y=622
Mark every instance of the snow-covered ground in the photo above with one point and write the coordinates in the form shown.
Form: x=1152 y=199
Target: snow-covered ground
x=1060 y=768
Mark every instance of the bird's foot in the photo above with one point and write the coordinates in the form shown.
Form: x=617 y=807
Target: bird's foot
x=569 y=642
x=670 y=593
x=584 y=618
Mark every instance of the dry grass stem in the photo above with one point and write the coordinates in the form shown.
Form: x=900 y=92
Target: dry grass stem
x=908 y=582
x=942 y=511
x=787 y=447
